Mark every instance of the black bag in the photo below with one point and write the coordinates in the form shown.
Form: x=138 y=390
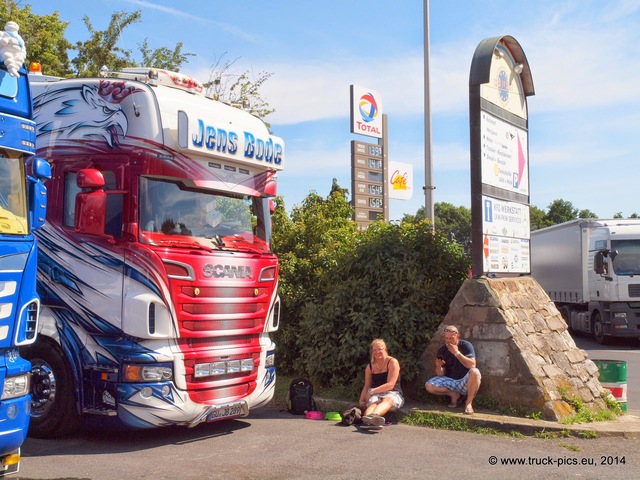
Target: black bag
x=301 y=396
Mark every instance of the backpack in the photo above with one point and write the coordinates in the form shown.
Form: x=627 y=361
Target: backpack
x=301 y=397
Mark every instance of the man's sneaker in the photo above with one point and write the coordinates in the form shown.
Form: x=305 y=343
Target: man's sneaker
x=373 y=419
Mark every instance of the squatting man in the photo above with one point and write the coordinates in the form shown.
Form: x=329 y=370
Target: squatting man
x=456 y=372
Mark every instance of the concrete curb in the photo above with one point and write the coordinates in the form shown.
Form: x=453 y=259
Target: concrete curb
x=625 y=426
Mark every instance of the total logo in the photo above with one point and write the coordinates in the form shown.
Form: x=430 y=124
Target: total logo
x=368 y=107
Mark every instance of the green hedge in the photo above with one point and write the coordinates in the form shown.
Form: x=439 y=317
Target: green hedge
x=391 y=281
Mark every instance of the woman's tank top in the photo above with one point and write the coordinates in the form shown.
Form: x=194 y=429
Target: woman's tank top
x=378 y=379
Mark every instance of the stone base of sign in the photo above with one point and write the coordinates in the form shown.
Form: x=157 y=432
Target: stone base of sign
x=524 y=352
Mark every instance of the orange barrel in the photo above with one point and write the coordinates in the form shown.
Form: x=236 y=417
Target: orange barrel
x=613 y=377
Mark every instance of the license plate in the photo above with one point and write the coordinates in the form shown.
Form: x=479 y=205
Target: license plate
x=227 y=411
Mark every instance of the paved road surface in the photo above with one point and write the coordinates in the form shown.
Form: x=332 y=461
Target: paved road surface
x=273 y=444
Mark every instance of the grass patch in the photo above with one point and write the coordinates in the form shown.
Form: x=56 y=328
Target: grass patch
x=573 y=448
x=585 y=415
x=445 y=421
x=510 y=410
x=552 y=434
x=564 y=433
x=448 y=421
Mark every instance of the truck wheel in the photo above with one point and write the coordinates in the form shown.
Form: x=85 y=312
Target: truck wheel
x=598 y=330
x=53 y=407
x=566 y=314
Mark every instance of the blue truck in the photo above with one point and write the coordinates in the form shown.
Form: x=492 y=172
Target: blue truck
x=22 y=210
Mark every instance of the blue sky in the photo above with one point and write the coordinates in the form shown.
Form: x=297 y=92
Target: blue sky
x=584 y=119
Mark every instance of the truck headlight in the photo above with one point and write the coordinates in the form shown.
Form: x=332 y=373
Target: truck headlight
x=147 y=373
x=270 y=360
x=223 y=367
x=16 y=386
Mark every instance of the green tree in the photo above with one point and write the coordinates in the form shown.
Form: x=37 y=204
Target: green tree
x=395 y=282
x=419 y=216
x=341 y=287
x=307 y=244
x=454 y=223
x=228 y=86
x=43 y=37
x=336 y=188
x=560 y=211
x=586 y=213
x=618 y=215
x=102 y=47
x=163 y=57
x=537 y=218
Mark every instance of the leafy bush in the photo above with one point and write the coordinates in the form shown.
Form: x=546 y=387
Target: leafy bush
x=395 y=283
x=341 y=288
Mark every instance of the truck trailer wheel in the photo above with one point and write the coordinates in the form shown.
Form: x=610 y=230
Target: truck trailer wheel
x=53 y=407
x=566 y=314
x=598 y=330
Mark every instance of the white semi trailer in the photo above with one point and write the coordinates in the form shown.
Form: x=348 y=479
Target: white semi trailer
x=591 y=270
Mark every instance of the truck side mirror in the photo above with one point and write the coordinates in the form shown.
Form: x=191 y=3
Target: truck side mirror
x=598 y=263
x=41 y=171
x=600 y=266
x=91 y=203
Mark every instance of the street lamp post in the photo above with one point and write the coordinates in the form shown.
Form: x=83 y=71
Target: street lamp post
x=428 y=164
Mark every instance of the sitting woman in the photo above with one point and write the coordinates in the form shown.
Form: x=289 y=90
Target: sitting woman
x=381 y=392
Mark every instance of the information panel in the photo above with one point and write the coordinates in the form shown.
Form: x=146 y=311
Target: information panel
x=504 y=155
x=506 y=236
x=505 y=255
x=368 y=182
x=508 y=219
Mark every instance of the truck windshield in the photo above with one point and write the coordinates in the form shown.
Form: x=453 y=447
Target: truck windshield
x=627 y=260
x=13 y=205
x=173 y=214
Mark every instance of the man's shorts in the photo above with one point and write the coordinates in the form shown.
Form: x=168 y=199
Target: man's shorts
x=398 y=401
x=458 y=386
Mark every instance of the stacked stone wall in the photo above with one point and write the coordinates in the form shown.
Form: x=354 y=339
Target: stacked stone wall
x=525 y=353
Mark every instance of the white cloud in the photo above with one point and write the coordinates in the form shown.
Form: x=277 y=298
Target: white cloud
x=228 y=28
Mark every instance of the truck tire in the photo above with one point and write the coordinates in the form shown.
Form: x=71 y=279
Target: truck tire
x=53 y=407
x=598 y=330
x=566 y=314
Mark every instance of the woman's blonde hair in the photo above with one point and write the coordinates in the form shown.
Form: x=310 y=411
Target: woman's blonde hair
x=377 y=341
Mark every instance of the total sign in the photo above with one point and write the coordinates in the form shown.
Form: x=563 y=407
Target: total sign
x=366 y=112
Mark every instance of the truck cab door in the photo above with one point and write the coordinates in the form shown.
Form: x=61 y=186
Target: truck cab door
x=85 y=263
x=602 y=279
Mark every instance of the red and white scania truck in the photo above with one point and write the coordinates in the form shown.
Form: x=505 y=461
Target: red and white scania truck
x=158 y=284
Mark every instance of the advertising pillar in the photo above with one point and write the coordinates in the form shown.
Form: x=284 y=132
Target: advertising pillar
x=499 y=83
